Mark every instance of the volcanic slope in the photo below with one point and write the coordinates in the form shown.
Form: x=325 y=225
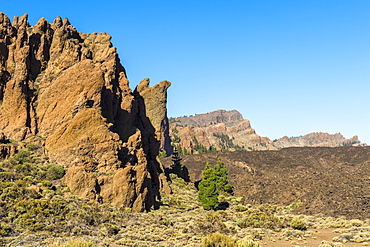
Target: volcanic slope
x=327 y=181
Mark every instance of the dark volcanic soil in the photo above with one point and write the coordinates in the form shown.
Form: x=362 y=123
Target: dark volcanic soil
x=328 y=181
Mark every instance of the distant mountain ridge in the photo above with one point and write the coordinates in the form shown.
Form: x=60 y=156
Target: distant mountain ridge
x=219 y=116
x=318 y=139
x=215 y=131
x=223 y=130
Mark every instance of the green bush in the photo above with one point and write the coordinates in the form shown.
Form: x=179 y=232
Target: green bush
x=298 y=224
x=162 y=154
x=4 y=229
x=264 y=216
x=111 y=229
x=24 y=155
x=55 y=172
x=221 y=240
x=248 y=243
x=40 y=214
x=32 y=146
x=17 y=191
x=77 y=243
x=24 y=168
x=6 y=176
x=47 y=185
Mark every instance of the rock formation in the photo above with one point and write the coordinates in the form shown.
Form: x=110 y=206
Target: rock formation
x=155 y=102
x=229 y=130
x=220 y=130
x=316 y=139
x=69 y=89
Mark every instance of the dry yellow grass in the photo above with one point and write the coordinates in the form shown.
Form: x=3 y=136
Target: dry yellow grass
x=181 y=221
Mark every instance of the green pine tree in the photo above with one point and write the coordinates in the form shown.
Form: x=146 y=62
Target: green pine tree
x=208 y=193
x=221 y=175
x=176 y=166
x=214 y=181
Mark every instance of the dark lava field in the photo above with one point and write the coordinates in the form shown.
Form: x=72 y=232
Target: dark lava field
x=327 y=181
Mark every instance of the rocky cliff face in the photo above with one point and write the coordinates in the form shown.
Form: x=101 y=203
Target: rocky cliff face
x=223 y=130
x=219 y=130
x=70 y=90
x=317 y=139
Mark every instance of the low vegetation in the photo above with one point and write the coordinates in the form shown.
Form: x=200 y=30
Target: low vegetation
x=36 y=209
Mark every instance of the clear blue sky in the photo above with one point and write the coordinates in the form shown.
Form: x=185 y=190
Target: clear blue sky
x=291 y=67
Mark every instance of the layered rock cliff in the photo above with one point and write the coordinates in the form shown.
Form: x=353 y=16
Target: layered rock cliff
x=70 y=90
x=228 y=130
x=317 y=139
x=218 y=130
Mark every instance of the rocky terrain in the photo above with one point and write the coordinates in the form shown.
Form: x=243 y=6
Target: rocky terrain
x=228 y=131
x=79 y=159
x=318 y=139
x=219 y=130
x=37 y=209
x=327 y=181
x=68 y=92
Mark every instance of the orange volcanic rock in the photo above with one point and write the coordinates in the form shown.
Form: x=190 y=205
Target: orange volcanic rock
x=316 y=139
x=227 y=130
x=70 y=88
x=219 y=129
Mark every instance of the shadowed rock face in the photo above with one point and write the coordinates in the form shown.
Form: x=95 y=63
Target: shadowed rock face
x=70 y=89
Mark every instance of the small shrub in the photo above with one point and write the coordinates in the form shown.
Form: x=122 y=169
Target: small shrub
x=221 y=240
x=24 y=155
x=77 y=243
x=177 y=181
x=6 y=176
x=24 y=168
x=240 y=208
x=76 y=231
x=162 y=154
x=165 y=222
x=211 y=223
x=55 y=172
x=258 y=219
x=4 y=229
x=110 y=229
x=47 y=184
x=218 y=239
x=248 y=243
x=298 y=224
x=32 y=146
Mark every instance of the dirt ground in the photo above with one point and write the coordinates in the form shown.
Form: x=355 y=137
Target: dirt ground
x=319 y=237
